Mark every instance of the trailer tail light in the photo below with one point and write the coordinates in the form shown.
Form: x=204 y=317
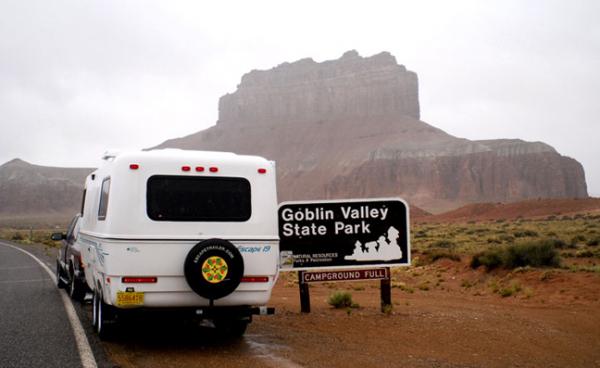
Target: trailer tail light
x=134 y=166
x=262 y=171
x=185 y=168
x=199 y=168
x=139 y=280
x=255 y=279
x=213 y=169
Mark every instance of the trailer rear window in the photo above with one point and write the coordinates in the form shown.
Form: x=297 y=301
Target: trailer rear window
x=184 y=198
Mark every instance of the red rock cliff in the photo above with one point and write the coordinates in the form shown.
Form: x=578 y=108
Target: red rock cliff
x=350 y=127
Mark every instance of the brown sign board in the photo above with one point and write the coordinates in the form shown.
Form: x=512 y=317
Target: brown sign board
x=346 y=275
x=344 y=234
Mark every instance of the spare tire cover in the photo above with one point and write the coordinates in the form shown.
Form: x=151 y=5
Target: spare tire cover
x=213 y=268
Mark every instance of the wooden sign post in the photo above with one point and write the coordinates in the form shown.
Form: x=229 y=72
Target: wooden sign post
x=383 y=274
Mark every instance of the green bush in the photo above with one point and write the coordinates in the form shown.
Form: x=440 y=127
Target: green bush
x=593 y=242
x=18 y=236
x=436 y=254
x=584 y=254
x=556 y=243
x=535 y=254
x=506 y=238
x=525 y=233
x=340 y=299
x=490 y=259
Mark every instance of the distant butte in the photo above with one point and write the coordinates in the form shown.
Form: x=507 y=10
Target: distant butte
x=351 y=128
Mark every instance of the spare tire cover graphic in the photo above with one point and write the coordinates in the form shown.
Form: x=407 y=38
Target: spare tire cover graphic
x=214 y=268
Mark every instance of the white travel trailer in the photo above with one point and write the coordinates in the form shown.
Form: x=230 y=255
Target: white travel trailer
x=190 y=230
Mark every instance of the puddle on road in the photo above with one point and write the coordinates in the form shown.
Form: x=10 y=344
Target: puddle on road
x=267 y=351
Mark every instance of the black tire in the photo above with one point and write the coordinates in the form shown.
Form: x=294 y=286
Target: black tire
x=106 y=319
x=76 y=288
x=59 y=282
x=217 y=282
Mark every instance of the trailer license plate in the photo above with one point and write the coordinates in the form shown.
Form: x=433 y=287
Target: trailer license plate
x=125 y=299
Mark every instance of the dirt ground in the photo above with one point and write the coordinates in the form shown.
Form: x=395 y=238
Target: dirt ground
x=443 y=315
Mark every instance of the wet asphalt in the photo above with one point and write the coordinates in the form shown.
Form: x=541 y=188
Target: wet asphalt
x=34 y=328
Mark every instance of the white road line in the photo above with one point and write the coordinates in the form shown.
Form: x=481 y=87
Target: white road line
x=85 y=351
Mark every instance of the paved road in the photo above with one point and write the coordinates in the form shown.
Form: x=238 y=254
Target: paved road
x=34 y=329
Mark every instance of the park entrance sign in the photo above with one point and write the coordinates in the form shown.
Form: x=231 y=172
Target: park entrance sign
x=355 y=233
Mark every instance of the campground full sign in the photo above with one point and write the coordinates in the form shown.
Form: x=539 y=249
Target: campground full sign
x=344 y=234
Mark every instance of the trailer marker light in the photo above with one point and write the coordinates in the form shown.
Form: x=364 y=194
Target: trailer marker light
x=213 y=169
x=138 y=280
x=200 y=168
x=134 y=166
x=255 y=279
x=262 y=171
x=185 y=168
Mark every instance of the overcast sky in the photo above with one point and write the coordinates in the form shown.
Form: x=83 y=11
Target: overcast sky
x=80 y=77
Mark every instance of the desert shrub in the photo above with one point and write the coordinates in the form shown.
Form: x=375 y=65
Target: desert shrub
x=340 y=299
x=556 y=243
x=577 y=239
x=525 y=233
x=445 y=244
x=593 y=242
x=436 y=254
x=535 y=254
x=510 y=290
x=490 y=259
x=17 y=236
x=494 y=241
x=584 y=253
x=506 y=238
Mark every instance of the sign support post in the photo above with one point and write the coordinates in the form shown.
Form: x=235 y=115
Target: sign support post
x=304 y=293
x=386 y=291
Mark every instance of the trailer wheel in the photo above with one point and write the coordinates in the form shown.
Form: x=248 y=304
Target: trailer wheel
x=105 y=316
x=214 y=268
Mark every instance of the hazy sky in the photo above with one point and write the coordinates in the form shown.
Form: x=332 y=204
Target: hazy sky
x=80 y=77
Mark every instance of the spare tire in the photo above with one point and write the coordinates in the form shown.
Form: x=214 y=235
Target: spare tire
x=213 y=268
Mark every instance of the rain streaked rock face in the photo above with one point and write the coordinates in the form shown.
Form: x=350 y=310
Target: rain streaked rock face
x=350 y=128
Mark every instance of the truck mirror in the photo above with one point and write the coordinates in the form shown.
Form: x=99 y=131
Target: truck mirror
x=58 y=236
